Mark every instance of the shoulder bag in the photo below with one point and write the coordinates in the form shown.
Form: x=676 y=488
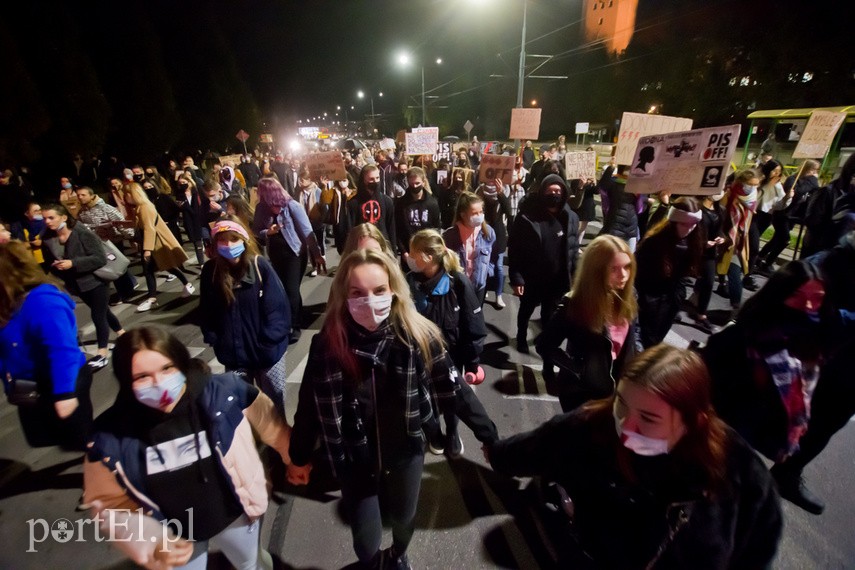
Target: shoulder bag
x=116 y=266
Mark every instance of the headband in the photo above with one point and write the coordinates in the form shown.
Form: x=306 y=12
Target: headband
x=678 y=215
x=229 y=226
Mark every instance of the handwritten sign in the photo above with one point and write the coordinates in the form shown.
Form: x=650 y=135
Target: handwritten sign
x=819 y=134
x=692 y=162
x=326 y=164
x=422 y=141
x=580 y=165
x=266 y=138
x=525 y=123
x=634 y=126
x=496 y=166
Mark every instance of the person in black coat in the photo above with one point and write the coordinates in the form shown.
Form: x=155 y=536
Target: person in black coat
x=416 y=210
x=542 y=250
x=621 y=217
x=652 y=478
x=443 y=294
x=821 y=229
x=786 y=341
x=246 y=315
x=371 y=206
x=593 y=333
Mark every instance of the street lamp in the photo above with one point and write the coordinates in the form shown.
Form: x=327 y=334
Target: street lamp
x=404 y=60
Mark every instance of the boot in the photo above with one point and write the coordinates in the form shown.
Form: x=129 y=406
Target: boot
x=791 y=486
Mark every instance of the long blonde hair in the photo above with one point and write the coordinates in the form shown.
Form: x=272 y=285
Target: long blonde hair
x=591 y=301
x=409 y=326
x=429 y=242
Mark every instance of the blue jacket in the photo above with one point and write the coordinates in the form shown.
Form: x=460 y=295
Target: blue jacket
x=40 y=342
x=485 y=258
x=294 y=226
x=252 y=332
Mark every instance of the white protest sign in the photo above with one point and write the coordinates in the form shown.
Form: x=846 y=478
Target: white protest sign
x=443 y=150
x=525 y=124
x=634 y=126
x=692 y=162
x=582 y=128
x=496 y=166
x=580 y=165
x=422 y=141
x=326 y=164
x=818 y=134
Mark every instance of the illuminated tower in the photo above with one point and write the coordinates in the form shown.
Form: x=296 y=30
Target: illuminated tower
x=610 y=21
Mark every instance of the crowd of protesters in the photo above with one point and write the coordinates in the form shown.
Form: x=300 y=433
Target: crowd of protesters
x=655 y=450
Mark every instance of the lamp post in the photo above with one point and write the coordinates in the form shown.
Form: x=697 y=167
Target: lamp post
x=404 y=60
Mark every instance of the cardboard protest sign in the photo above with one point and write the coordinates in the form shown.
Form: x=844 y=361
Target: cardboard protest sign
x=422 y=141
x=525 y=124
x=634 y=126
x=580 y=165
x=326 y=164
x=819 y=134
x=692 y=162
x=496 y=166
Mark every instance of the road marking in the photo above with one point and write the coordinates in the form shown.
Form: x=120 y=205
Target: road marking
x=538 y=398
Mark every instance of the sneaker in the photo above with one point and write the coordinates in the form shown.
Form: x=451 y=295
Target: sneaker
x=98 y=362
x=116 y=302
x=314 y=273
x=188 y=290
x=500 y=303
x=147 y=305
x=749 y=283
x=392 y=560
x=170 y=277
x=81 y=506
x=437 y=443
x=791 y=486
x=721 y=290
x=705 y=325
x=295 y=336
x=454 y=447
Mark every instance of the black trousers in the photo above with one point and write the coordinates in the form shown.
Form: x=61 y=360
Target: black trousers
x=97 y=300
x=470 y=410
x=704 y=284
x=290 y=268
x=780 y=239
x=546 y=297
x=43 y=428
x=393 y=497
x=149 y=269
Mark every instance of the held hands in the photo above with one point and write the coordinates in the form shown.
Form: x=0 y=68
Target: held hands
x=175 y=552
x=63 y=265
x=320 y=264
x=65 y=408
x=299 y=475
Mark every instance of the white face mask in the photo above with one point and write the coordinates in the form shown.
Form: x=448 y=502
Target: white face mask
x=370 y=311
x=476 y=221
x=640 y=444
x=411 y=263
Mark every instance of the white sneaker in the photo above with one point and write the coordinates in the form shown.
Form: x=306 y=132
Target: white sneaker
x=170 y=277
x=147 y=305
x=314 y=273
x=500 y=302
x=188 y=290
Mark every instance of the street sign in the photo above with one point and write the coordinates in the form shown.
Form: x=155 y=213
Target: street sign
x=242 y=136
x=468 y=126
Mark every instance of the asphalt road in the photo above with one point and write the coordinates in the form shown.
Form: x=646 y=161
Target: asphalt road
x=468 y=517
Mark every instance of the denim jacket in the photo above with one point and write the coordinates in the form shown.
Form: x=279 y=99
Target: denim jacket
x=486 y=255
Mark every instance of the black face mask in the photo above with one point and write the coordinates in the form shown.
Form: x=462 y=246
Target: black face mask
x=553 y=200
x=183 y=186
x=138 y=177
x=372 y=186
x=414 y=190
x=150 y=174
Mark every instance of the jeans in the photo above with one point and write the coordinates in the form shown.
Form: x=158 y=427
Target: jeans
x=734 y=284
x=290 y=268
x=395 y=498
x=102 y=317
x=239 y=542
x=125 y=285
x=271 y=381
x=499 y=275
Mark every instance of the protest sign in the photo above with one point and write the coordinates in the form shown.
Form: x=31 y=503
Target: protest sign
x=692 y=162
x=496 y=166
x=326 y=164
x=819 y=134
x=443 y=150
x=580 y=165
x=525 y=124
x=422 y=141
x=634 y=126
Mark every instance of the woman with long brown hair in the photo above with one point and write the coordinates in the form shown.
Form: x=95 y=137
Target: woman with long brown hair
x=593 y=333
x=376 y=379
x=38 y=344
x=652 y=477
x=472 y=238
x=245 y=314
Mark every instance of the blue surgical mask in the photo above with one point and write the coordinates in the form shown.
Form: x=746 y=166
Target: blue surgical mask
x=38 y=217
x=66 y=186
x=163 y=394
x=231 y=251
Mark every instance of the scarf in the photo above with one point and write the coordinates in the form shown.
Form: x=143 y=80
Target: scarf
x=795 y=381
